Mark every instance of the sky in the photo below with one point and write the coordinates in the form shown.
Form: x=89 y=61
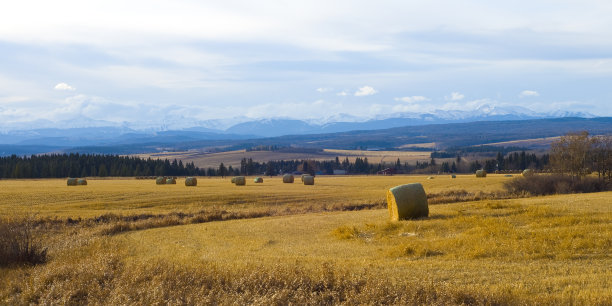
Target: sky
x=165 y=61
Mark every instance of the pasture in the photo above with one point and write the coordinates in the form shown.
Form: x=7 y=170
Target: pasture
x=233 y=158
x=290 y=243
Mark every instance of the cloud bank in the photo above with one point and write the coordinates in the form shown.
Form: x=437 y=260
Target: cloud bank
x=229 y=59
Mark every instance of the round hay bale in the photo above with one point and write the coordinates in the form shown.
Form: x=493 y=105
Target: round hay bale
x=453 y=176
x=82 y=182
x=430 y=178
x=407 y=202
x=71 y=182
x=528 y=172
x=170 y=180
x=287 y=178
x=160 y=180
x=481 y=173
x=308 y=180
x=258 y=180
x=191 y=181
x=239 y=180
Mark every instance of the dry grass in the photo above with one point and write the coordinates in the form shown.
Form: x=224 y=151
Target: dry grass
x=326 y=244
x=205 y=160
x=128 y=196
x=513 y=246
x=535 y=142
x=18 y=243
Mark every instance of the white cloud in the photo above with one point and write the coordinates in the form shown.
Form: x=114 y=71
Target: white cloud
x=529 y=93
x=455 y=96
x=342 y=93
x=365 y=91
x=64 y=86
x=412 y=99
x=323 y=89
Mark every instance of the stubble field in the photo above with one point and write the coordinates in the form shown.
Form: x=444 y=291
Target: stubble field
x=131 y=241
x=233 y=158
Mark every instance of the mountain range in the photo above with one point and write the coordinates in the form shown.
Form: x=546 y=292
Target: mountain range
x=52 y=139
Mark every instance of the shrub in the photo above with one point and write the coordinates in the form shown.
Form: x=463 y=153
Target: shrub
x=18 y=243
x=554 y=184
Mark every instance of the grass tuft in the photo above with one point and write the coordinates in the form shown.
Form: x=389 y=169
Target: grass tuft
x=19 y=243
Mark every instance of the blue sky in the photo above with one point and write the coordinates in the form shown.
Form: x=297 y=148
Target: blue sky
x=161 y=61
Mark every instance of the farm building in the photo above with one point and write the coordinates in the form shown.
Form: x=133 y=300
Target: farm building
x=388 y=171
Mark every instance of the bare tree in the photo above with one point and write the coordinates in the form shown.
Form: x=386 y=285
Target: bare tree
x=602 y=156
x=572 y=154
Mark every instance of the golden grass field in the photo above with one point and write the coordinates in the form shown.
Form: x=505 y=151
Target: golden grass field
x=233 y=158
x=539 y=142
x=51 y=197
x=538 y=250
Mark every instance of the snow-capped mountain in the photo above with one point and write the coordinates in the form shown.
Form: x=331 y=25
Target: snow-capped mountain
x=85 y=131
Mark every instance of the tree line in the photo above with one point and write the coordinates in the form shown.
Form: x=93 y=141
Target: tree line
x=83 y=165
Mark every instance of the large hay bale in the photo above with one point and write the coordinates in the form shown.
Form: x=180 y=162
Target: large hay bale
x=160 y=180
x=82 y=182
x=407 y=202
x=453 y=176
x=239 y=180
x=170 y=180
x=258 y=180
x=481 y=173
x=71 y=182
x=191 y=181
x=528 y=172
x=287 y=178
x=308 y=180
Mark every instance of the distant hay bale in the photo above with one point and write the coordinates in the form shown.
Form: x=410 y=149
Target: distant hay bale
x=528 y=172
x=191 y=181
x=453 y=176
x=258 y=180
x=287 y=178
x=71 y=182
x=239 y=180
x=234 y=180
x=170 y=180
x=481 y=173
x=302 y=177
x=496 y=171
x=430 y=178
x=82 y=182
x=407 y=202
x=308 y=180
